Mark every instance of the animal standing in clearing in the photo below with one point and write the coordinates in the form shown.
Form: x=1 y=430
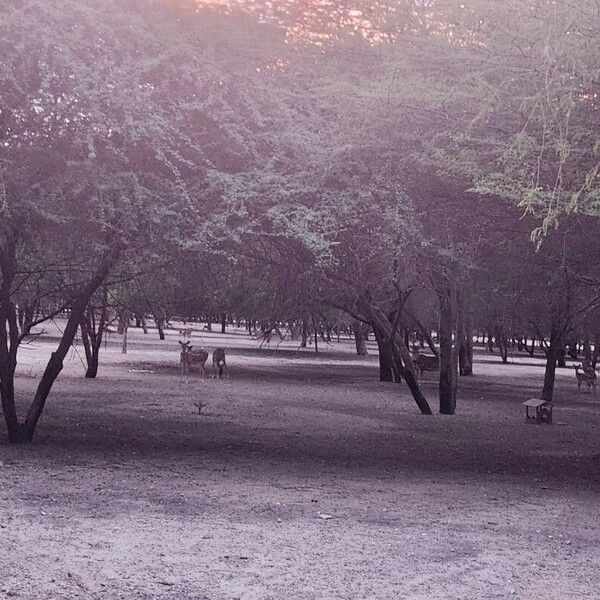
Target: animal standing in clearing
x=189 y=357
x=185 y=335
x=424 y=362
x=588 y=377
x=219 y=364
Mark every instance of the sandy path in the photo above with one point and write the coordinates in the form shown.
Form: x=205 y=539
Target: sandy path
x=129 y=493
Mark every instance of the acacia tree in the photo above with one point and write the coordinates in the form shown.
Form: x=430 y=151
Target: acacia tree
x=111 y=120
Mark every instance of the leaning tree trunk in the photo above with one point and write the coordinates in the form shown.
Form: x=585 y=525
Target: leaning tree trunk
x=10 y=339
x=160 y=326
x=402 y=359
x=403 y=363
x=425 y=334
x=448 y=362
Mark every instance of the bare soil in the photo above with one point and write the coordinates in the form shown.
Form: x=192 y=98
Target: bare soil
x=304 y=478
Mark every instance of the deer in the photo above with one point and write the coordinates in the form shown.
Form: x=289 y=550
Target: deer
x=587 y=367
x=588 y=377
x=424 y=362
x=189 y=357
x=185 y=334
x=219 y=363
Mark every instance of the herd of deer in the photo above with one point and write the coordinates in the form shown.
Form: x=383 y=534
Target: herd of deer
x=422 y=362
x=189 y=357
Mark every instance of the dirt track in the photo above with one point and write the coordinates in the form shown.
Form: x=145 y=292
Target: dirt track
x=305 y=479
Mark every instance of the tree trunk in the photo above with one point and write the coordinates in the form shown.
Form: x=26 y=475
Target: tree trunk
x=448 y=362
x=561 y=361
x=359 y=330
x=401 y=354
x=20 y=433
x=304 y=340
x=425 y=335
x=11 y=337
x=160 y=326
x=92 y=367
x=552 y=354
x=125 y=334
x=490 y=342
x=587 y=349
x=386 y=360
x=464 y=329
x=92 y=332
x=223 y=323
x=502 y=343
x=596 y=349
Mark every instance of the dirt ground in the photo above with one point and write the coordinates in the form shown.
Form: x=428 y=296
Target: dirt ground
x=304 y=479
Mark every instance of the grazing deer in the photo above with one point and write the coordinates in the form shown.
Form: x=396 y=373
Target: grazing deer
x=185 y=335
x=219 y=363
x=189 y=357
x=588 y=377
x=424 y=362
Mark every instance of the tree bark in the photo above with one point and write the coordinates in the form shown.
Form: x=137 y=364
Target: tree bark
x=425 y=334
x=401 y=354
x=552 y=355
x=24 y=432
x=587 y=349
x=448 y=362
x=490 y=342
x=304 y=340
x=359 y=330
x=464 y=330
x=502 y=343
x=561 y=361
x=386 y=359
x=160 y=326
x=92 y=333
x=125 y=326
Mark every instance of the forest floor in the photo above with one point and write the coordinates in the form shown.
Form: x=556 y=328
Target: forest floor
x=304 y=479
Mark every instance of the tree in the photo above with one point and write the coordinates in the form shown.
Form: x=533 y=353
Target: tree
x=107 y=149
